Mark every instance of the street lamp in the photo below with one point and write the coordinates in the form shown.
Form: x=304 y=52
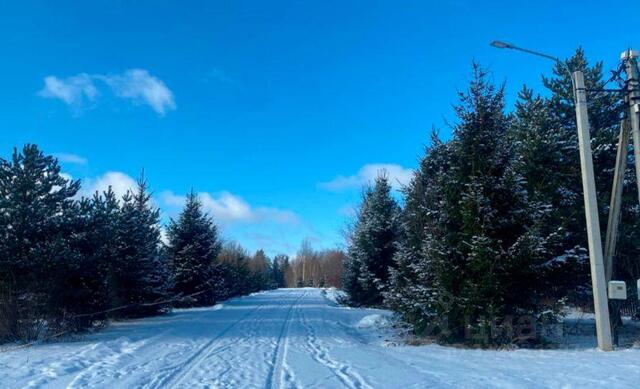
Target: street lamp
x=598 y=277
x=563 y=65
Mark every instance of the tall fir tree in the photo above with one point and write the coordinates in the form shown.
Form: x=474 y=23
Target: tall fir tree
x=280 y=269
x=261 y=272
x=35 y=203
x=548 y=144
x=412 y=288
x=371 y=245
x=234 y=265
x=471 y=237
x=141 y=273
x=546 y=138
x=193 y=250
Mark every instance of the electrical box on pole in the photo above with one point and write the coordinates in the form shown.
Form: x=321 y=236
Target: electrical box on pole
x=617 y=290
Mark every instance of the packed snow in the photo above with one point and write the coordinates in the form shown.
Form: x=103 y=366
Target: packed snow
x=295 y=338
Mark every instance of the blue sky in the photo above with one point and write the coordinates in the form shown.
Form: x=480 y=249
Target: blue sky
x=277 y=112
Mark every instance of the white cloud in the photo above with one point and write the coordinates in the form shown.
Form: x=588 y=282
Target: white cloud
x=70 y=158
x=143 y=88
x=72 y=90
x=229 y=208
x=119 y=182
x=398 y=177
x=136 y=85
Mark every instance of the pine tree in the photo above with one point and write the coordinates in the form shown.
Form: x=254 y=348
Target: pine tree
x=35 y=201
x=546 y=137
x=471 y=245
x=411 y=290
x=280 y=269
x=547 y=141
x=261 y=272
x=554 y=178
x=141 y=272
x=193 y=250
x=105 y=213
x=86 y=287
x=488 y=247
x=234 y=264
x=372 y=245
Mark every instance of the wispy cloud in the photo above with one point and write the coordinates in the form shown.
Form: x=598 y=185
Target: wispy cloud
x=141 y=87
x=398 y=177
x=228 y=208
x=72 y=90
x=136 y=85
x=70 y=158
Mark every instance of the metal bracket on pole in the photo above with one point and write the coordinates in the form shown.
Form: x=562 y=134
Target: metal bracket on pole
x=598 y=279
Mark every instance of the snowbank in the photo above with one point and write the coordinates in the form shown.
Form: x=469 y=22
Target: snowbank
x=199 y=309
x=334 y=295
x=374 y=321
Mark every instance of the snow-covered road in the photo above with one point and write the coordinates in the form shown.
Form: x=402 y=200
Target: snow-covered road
x=294 y=338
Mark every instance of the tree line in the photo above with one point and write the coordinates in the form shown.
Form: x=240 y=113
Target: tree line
x=313 y=268
x=491 y=228
x=67 y=264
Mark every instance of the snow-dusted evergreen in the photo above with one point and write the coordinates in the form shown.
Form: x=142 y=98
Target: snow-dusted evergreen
x=547 y=142
x=471 y=246
x=35 y=203
x=141 y=271
x=372 y=244
x=280 y=268
x=193 y=251
x=412 y=290
x=493 y=223
x=67 y=263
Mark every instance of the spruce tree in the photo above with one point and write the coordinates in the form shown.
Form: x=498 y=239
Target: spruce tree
x=548 y=144
x=193 y=250
x=234 y=264
x=487 y=247
x=412 y=288
x=105 y=213
x=471 y=246
x=280 y=269
x=35 y=202
x=372 y=245
x=546 y=135
x=261 y=272
x=140 y=274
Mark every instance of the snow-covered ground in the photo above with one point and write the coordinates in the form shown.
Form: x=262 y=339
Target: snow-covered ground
x=295 y=338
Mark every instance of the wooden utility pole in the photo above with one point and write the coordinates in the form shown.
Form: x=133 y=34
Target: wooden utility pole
x=598 y=279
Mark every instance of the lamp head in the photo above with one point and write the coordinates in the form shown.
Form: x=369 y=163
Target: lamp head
x=501 y=45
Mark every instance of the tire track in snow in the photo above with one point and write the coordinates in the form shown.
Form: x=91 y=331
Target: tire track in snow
x=422 y=372
x=231 y=362
x=319 y=353
x=279 y=354
x=181 y=371
x=111 y=355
